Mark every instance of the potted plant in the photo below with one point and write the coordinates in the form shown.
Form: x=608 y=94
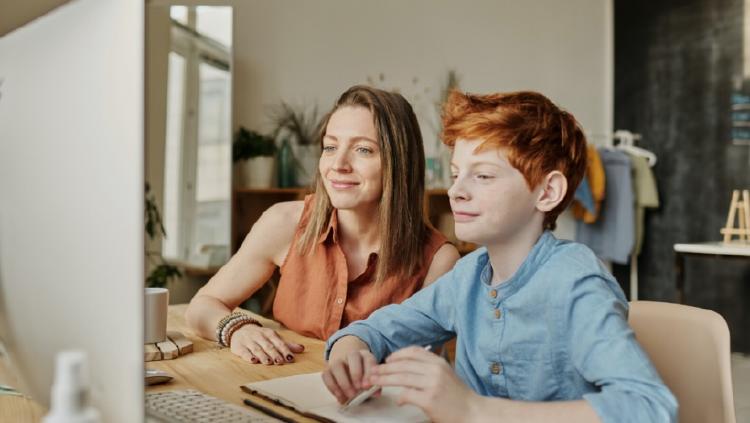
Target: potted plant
x=253 y=155
x=302 y=126
x=161 y=271
x=440 y=166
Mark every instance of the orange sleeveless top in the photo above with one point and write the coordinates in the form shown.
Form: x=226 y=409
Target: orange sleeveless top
x=316 y=296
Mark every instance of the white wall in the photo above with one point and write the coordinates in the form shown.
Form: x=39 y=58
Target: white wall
x=308 y=52
x=155 y=119
x=311 y=51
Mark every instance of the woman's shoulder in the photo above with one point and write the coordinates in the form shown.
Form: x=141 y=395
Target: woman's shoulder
x=283 y=213
x=440 y=255
x=276 y=228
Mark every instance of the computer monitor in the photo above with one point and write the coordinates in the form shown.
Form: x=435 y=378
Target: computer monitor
x=71 y=198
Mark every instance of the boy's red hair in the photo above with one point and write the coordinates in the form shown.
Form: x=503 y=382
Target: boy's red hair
x=537 y=136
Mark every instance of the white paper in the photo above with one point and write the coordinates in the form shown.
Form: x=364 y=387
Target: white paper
x=307 y=392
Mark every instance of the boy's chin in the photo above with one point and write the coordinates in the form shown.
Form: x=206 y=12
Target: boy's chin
x=470 y=236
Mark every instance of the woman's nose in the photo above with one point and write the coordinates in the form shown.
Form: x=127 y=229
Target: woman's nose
x=341 y=162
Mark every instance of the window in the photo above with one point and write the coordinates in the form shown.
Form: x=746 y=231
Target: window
x=197 y=173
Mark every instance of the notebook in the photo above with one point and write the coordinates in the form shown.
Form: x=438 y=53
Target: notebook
x=307 y=393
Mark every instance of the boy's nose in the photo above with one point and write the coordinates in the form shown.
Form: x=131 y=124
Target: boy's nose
x=457 y=192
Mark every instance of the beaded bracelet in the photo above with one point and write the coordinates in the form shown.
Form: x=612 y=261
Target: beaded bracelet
x=223 y=322
x=229 y=323
x=226 y=323
x=227 y=318
x=236 y=326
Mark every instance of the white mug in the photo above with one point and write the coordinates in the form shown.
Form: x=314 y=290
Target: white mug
x=155 y=315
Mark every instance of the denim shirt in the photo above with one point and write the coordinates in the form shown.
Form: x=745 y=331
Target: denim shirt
x=557 y=330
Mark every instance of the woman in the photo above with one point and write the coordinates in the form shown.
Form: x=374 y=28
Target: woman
x=358 y=243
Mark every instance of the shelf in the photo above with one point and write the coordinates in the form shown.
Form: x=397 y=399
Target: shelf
x=200 y=271
x=306 y=190
x=290 y=191
x=195 y=270
x=250 y=203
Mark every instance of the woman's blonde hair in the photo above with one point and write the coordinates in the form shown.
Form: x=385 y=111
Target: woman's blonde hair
x=402 y=224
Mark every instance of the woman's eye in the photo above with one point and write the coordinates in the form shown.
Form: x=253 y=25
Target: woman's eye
x=454 y=175
x=483 y=176
x=329 y=148
x=364 y=150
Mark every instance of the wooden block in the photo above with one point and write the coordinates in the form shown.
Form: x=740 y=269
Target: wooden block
x=184 y=345
x=168 y=349
x=174 y=346
x=151 y=353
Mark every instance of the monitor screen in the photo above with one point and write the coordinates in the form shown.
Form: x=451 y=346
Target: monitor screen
x=71 y=199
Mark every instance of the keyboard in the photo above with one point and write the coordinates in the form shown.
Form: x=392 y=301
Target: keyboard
x=191 y=406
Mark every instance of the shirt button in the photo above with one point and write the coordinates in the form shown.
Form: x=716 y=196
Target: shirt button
x=496 y=368
x=493 y=293
x=340 y=301
x=498 y=313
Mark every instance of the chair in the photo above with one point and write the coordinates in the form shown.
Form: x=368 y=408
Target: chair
x=689 y=347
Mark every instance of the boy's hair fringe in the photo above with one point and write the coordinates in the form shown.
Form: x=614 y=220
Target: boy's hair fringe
x=538 y=136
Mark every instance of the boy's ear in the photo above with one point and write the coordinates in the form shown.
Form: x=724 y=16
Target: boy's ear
x=553 y=188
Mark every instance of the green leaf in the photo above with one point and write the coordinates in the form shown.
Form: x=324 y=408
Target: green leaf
x=248 y=144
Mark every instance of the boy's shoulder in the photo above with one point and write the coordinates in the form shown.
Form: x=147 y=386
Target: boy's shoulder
x=575 y=257
x=571 y=263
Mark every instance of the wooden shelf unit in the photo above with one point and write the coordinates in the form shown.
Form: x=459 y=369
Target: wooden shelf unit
x=438 y=211
x=249 y=203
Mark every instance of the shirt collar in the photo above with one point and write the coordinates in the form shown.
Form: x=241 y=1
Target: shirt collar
x=536 y=257
x=331 y=231
x=332 y=234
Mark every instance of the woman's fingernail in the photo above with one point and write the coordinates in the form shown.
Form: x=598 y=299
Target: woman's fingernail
x=279 y=360
x=289 y=358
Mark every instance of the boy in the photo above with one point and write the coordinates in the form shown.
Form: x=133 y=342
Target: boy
x=541 y=326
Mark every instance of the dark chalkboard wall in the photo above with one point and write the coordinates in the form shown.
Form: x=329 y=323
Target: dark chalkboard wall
x=676 y=66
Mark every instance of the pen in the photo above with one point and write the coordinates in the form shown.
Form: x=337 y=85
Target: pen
x=286 y=404
x=362 y=396
x=267 y=411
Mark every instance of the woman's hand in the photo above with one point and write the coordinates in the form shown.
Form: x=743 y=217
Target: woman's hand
x=428 y=382
x=263 y=345
x=348 y=370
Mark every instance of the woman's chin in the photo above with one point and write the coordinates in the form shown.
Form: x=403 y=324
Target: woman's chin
x=343 y=201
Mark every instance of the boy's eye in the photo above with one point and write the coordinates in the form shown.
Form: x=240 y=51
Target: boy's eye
x=454 y=175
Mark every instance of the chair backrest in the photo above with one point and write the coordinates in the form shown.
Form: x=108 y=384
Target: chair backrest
x=689 y=347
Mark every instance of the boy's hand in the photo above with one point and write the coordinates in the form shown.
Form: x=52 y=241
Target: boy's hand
x=428 y=382
x=348 y=368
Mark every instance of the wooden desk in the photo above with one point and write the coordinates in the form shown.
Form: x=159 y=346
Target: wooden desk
x=705 y=249
x=217 y=372
x=209 y=369
x=17 y=409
